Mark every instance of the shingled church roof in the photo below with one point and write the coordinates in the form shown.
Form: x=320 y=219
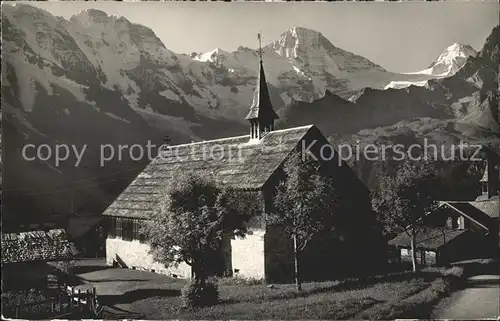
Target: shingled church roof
x=237 y=162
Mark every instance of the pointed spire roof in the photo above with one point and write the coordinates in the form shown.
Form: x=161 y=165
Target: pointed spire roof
x=261 y=106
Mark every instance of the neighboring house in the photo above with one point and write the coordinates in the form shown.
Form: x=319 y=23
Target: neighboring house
x=25 y=256
x=460 y=230
x=440 y=246
x=250 y=163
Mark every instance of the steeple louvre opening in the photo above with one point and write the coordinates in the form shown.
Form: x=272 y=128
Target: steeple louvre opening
x=261 y=115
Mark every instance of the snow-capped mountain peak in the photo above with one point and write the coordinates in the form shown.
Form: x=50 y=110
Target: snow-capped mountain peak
x=94 y=48
x=212 y=56
x=454 y=51
x=300 y=65
x=449 y=61
x=452 y=59
x=297 y=41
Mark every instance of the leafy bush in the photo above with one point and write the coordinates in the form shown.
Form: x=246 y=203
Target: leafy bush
x=439 y=287
x=454 y=271
x=453 y=277
x=196 y=294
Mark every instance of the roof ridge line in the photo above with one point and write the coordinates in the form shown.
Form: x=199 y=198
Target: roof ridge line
x=473 y=201
x=241 y=136
x=285 y=129
x=208 y=141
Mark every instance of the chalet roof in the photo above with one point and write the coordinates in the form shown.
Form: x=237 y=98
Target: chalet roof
x=237 y=162
x=480 y=211
x=428 y=238
x=51 y=245
x=261 y=105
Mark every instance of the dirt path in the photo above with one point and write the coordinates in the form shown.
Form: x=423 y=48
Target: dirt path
x=117 y=288
x=479 y=300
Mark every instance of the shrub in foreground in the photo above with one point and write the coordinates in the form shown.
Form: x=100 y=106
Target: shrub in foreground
x=197 y=294
x=453 y=277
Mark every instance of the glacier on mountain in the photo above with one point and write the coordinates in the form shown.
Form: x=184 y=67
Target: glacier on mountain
x=301 y=65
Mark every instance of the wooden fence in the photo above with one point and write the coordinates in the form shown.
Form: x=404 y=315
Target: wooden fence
x=73 y=303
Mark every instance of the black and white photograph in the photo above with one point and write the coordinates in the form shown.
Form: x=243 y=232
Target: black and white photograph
x=250 y=160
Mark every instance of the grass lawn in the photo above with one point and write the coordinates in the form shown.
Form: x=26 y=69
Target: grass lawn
x=320 y=300
x=157 y=296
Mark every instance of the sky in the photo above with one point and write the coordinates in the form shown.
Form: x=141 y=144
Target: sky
x=399 y=36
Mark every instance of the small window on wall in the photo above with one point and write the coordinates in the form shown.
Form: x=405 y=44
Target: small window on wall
x=118 y=228
x=127 y=229
x=405 y=255
x=430 y=257
x=449 y=222
x=112 y=227
x=453 y=222
x=485 y=188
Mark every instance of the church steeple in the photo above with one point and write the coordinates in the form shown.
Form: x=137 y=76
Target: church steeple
x=490 y=183
x=261 y=115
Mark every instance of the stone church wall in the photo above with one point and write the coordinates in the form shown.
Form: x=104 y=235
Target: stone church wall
x=247 y=255
x=135 y=255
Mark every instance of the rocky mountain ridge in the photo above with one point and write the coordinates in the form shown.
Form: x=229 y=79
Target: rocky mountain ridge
x=98 y=79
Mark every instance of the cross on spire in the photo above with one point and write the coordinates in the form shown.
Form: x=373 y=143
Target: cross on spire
x=261 y=115
x=260 y=46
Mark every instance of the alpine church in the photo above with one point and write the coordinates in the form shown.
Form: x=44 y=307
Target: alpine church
x=264 y=253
